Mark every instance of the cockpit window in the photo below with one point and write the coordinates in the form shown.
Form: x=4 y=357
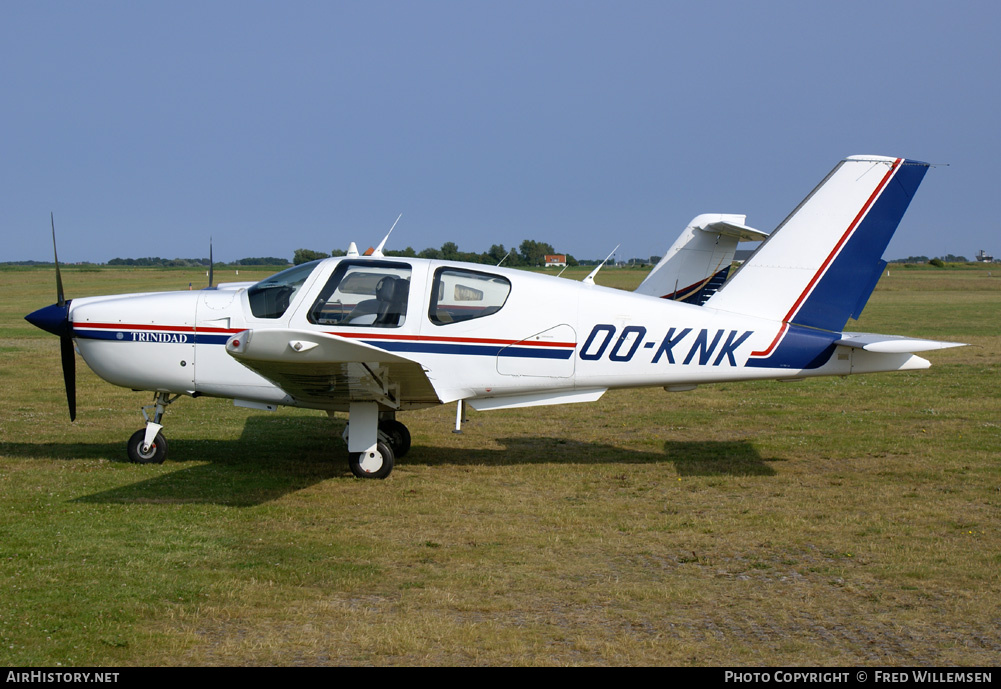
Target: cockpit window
x=461 y=295
x=364 y=293
x=271 y=297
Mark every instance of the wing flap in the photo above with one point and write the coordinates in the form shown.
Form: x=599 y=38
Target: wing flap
x=327 y=371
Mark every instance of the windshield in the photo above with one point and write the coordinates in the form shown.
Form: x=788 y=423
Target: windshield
x=271 y=297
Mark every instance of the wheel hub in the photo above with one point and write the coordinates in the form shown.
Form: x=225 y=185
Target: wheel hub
x=371 y=462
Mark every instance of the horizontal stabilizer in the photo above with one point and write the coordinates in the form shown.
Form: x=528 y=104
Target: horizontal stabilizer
x=234 y=285
x=892 y=344
x=742 y=233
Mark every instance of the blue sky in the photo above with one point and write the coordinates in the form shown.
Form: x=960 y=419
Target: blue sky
x=147 y=127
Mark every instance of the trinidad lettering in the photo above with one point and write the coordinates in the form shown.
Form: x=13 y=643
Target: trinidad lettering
x=703 y=345
x=159 y=337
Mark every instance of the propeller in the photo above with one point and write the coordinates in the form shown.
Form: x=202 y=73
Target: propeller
x=55 y=319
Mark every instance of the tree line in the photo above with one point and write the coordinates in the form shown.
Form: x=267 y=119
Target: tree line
x=530 y=253
x=948 y=258
x=195 y=262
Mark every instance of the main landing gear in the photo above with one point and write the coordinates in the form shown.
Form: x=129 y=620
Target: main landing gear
x=147 y=445
x=374 y=440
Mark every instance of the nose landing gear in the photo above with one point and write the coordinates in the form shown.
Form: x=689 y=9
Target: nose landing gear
x=147 y=445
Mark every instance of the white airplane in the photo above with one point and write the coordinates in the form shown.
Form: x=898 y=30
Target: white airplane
x=374 y=336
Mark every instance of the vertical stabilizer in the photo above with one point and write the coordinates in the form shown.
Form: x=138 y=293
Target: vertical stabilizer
x=818 y=268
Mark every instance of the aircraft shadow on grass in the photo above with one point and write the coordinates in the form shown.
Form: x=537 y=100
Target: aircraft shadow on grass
x=276 y=456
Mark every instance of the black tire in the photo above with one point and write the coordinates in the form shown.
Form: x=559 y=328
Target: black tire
x=399 y=436
x=157 y=454
x=364 y=465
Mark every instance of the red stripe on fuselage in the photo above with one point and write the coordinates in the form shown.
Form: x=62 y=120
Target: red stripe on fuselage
x=432 y=338
x=351 y=335
x=688 y=290
x=159 y=328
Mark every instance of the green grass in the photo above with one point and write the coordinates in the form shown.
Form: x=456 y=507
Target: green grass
x=831 y=521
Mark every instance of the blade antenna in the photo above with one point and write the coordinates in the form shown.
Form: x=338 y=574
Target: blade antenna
x=378 y=249
x=210 y=262
x=590 y=278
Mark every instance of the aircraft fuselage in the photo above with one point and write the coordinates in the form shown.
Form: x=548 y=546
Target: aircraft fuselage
x=548 y=335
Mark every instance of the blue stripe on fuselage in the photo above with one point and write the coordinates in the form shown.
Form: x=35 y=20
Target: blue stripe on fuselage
x=801 y=348
x=472 y=349
x=151 y=336
x=160 y=337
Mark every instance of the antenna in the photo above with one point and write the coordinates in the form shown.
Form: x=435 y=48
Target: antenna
x=590 y=278
x=210 y=262
x=378 y=249
x=505 y=256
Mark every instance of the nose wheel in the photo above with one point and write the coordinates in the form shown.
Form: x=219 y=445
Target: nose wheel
x=147 y=445
x=142 y=453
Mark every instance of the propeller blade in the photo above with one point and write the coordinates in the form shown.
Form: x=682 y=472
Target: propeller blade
x=69 y=372
x=65 y=331
x=60 y=297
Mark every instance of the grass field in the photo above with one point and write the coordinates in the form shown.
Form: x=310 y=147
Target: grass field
x=831 y=521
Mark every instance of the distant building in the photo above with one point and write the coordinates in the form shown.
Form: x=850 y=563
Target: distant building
x=556 y=260
x=982 y=257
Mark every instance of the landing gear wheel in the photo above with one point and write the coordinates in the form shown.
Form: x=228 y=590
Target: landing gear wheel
x=398 y=435
x=376 y=464
x=156 y=454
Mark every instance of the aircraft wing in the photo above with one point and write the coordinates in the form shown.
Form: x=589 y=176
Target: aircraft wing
x=892 y=344
x=331 y=371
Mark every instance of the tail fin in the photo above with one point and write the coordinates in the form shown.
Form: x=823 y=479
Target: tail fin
x=698 y=262
x=818 y=268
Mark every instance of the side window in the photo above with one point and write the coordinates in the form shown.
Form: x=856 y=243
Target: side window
x=271 y=297
x=364 y=293
x=462 y=295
